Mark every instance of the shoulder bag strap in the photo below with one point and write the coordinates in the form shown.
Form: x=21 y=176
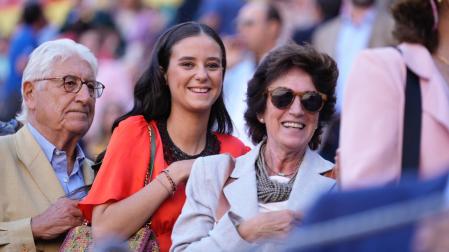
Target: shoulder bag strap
x=149 y=173
x=411 y=138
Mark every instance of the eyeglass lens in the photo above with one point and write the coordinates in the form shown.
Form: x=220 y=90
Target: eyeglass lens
x=74 y=84
x=283 y=98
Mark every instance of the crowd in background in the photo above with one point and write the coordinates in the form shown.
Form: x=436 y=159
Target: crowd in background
x=122 y=33
x=351 y=127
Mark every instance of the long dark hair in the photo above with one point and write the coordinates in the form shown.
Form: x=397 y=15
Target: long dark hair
x=152 y=98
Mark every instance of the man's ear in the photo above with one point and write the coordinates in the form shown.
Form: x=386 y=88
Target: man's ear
x=29 y=93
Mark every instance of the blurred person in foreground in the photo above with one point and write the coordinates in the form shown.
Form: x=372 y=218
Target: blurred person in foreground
x=411 y=216
x=361 y=24
x=179 y=99
x=373 y=109
x=290 y=99
x=42 y=163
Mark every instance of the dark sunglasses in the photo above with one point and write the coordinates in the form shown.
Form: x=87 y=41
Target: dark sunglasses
x=282 y=98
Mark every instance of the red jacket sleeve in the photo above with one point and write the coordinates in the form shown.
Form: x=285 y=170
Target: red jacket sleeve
x=122 y=172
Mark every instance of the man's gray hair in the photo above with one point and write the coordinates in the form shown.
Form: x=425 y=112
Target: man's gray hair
x=43 y=58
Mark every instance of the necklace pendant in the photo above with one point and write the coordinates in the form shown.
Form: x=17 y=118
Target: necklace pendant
x=282 y=174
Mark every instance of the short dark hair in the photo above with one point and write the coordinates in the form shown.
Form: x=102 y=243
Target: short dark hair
x=273 y=13
x=32 y=12
x=414 y=22
x=322 y=70
x=152 y=97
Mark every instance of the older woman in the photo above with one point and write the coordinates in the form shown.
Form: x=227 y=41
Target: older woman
x=290 y=98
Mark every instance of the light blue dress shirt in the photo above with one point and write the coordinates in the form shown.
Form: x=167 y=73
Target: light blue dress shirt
x=352 y=39
x=58 y=160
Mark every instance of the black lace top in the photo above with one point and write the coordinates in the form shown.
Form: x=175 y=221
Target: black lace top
x=172 y=153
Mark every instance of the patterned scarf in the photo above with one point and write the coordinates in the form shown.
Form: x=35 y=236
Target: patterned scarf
x=269 y=191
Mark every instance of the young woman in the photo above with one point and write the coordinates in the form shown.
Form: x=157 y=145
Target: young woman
x=180 y=97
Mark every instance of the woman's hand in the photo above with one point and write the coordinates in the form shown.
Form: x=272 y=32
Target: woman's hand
x=272 y=225
x=180 y=170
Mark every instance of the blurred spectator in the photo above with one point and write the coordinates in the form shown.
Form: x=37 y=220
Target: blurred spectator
x=78 y=19
x=100 y=138
x=220 y=15
x=22 y=43
x=187 y=11
x=373 y=110
x=140 y=25
x=361 y=24
x=259 y=27
x=4 y=64
x=112 y=71
x=325 y=11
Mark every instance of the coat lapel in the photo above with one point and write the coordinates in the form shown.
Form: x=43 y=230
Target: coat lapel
x=88 y=173
x=32 y=156
x=434 y=88
x=309 y=183
x=242 y=193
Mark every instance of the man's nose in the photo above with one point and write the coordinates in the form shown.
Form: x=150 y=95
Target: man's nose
x=85 y=94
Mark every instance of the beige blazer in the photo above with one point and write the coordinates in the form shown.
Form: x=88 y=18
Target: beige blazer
x=196 y=230
x=325 y=37
x=373 y=113
x=28 y=186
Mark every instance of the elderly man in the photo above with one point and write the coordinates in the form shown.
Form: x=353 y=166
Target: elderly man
x=42 y=165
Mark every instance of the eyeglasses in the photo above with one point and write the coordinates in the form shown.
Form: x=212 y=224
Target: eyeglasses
x=282 y=98
x=73 y=84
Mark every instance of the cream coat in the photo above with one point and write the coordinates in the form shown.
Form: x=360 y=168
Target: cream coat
x=196 y=230
x=28 y=186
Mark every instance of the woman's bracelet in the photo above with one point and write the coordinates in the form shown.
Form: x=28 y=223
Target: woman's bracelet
x=164 y=185
x=172 y=183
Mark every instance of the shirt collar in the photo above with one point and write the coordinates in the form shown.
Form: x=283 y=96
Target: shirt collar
x=369 y=17
x=49 y=149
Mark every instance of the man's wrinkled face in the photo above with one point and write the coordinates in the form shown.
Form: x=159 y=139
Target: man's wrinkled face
x=56 y=110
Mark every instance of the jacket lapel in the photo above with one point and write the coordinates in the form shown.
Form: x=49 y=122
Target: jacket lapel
x=242 y=193
x=88 y=173
x=32 y=156
x=434 y=88
x=309 y=183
